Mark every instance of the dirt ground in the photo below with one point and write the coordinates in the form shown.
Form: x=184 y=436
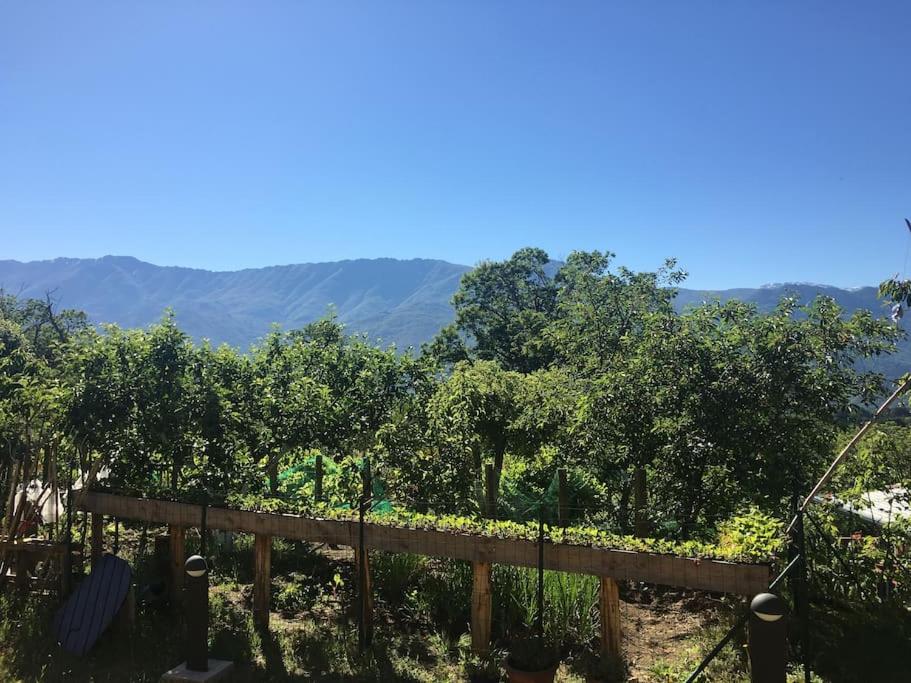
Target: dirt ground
x=661 y=631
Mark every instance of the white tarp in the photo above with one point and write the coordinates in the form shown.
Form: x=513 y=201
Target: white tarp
x=879 y=507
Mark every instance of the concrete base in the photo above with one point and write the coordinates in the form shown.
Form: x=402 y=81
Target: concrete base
x=219 y=670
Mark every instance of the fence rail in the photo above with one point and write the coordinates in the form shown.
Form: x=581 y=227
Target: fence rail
x=482 y=551
x=698 y=574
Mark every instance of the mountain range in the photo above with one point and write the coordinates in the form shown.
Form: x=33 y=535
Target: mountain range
x=401 y=302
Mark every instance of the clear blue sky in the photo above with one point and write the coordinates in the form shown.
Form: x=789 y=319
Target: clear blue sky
x=757 y=142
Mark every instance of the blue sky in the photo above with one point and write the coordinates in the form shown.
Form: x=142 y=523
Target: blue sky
x=757 y=142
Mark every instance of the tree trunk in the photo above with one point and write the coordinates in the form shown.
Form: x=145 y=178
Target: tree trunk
x=272 y=470
x=640 y=503
x=498 y=455
x=623 y=508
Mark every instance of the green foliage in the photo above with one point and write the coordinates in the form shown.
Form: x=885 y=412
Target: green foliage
x=503 y=308
x=742 y=546
x=570 y=605
x=397 y=574
x=670 y=425
x=753 y=534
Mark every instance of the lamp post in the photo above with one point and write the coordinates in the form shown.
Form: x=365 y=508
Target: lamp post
x=198 y=668
x=197 y=612
x=768 y=639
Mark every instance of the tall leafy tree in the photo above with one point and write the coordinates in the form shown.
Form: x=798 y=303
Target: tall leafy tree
x=502 y=309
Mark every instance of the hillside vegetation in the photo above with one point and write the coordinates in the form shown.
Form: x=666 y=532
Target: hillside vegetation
x=688 y=432
x=393 y=301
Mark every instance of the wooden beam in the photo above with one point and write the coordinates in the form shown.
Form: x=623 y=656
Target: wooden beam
x=609 y=606
x=177 y=555
x=262 y=579
x=365 y=596
x=669 y=570
x=97 y=538
x=481 y=608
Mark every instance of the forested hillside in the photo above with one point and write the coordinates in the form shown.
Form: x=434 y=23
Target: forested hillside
x=401 y=302
x=404 y=302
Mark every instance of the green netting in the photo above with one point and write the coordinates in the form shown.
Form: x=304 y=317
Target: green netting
x=378 y=491
x=307 y=471
x=298 y=481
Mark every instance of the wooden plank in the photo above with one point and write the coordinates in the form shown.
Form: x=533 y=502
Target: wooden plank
x=609 y=607
x=262 y=579
x=365 y=592
x=481 y=608
x=177 y=555
x=97 y=538
x=704 y=574
x=43 y=549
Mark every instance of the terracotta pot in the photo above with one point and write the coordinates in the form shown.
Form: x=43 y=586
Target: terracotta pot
x=514 y=675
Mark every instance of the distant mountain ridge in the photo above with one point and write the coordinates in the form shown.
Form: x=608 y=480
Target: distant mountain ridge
x=394 y=301
x=404 y=302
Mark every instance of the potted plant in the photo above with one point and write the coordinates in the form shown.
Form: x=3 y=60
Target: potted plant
x=532 y=660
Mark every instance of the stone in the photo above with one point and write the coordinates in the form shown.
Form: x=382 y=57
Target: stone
x=219 y=670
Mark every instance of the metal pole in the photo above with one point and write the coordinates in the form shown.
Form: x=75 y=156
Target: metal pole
x=768 y=644
x=362 y=636
x=796 y=548
x=197 y=613
x=804 y=596
x=540 y=614
x=68 y=536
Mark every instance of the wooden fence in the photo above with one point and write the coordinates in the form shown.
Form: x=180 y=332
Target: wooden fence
x=483 y=551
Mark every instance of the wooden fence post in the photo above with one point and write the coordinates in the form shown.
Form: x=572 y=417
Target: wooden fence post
x=318 y=479
x=490 y=490
x=609 y=604
x=262 y=579
x=562 y=498
x=481 y=608
x=365 y=594
x=97 y=538
x=481 y=598
x=177 y=555
x=640 y=503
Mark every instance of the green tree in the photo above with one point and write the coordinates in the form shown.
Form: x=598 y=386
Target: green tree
x=502 y=309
